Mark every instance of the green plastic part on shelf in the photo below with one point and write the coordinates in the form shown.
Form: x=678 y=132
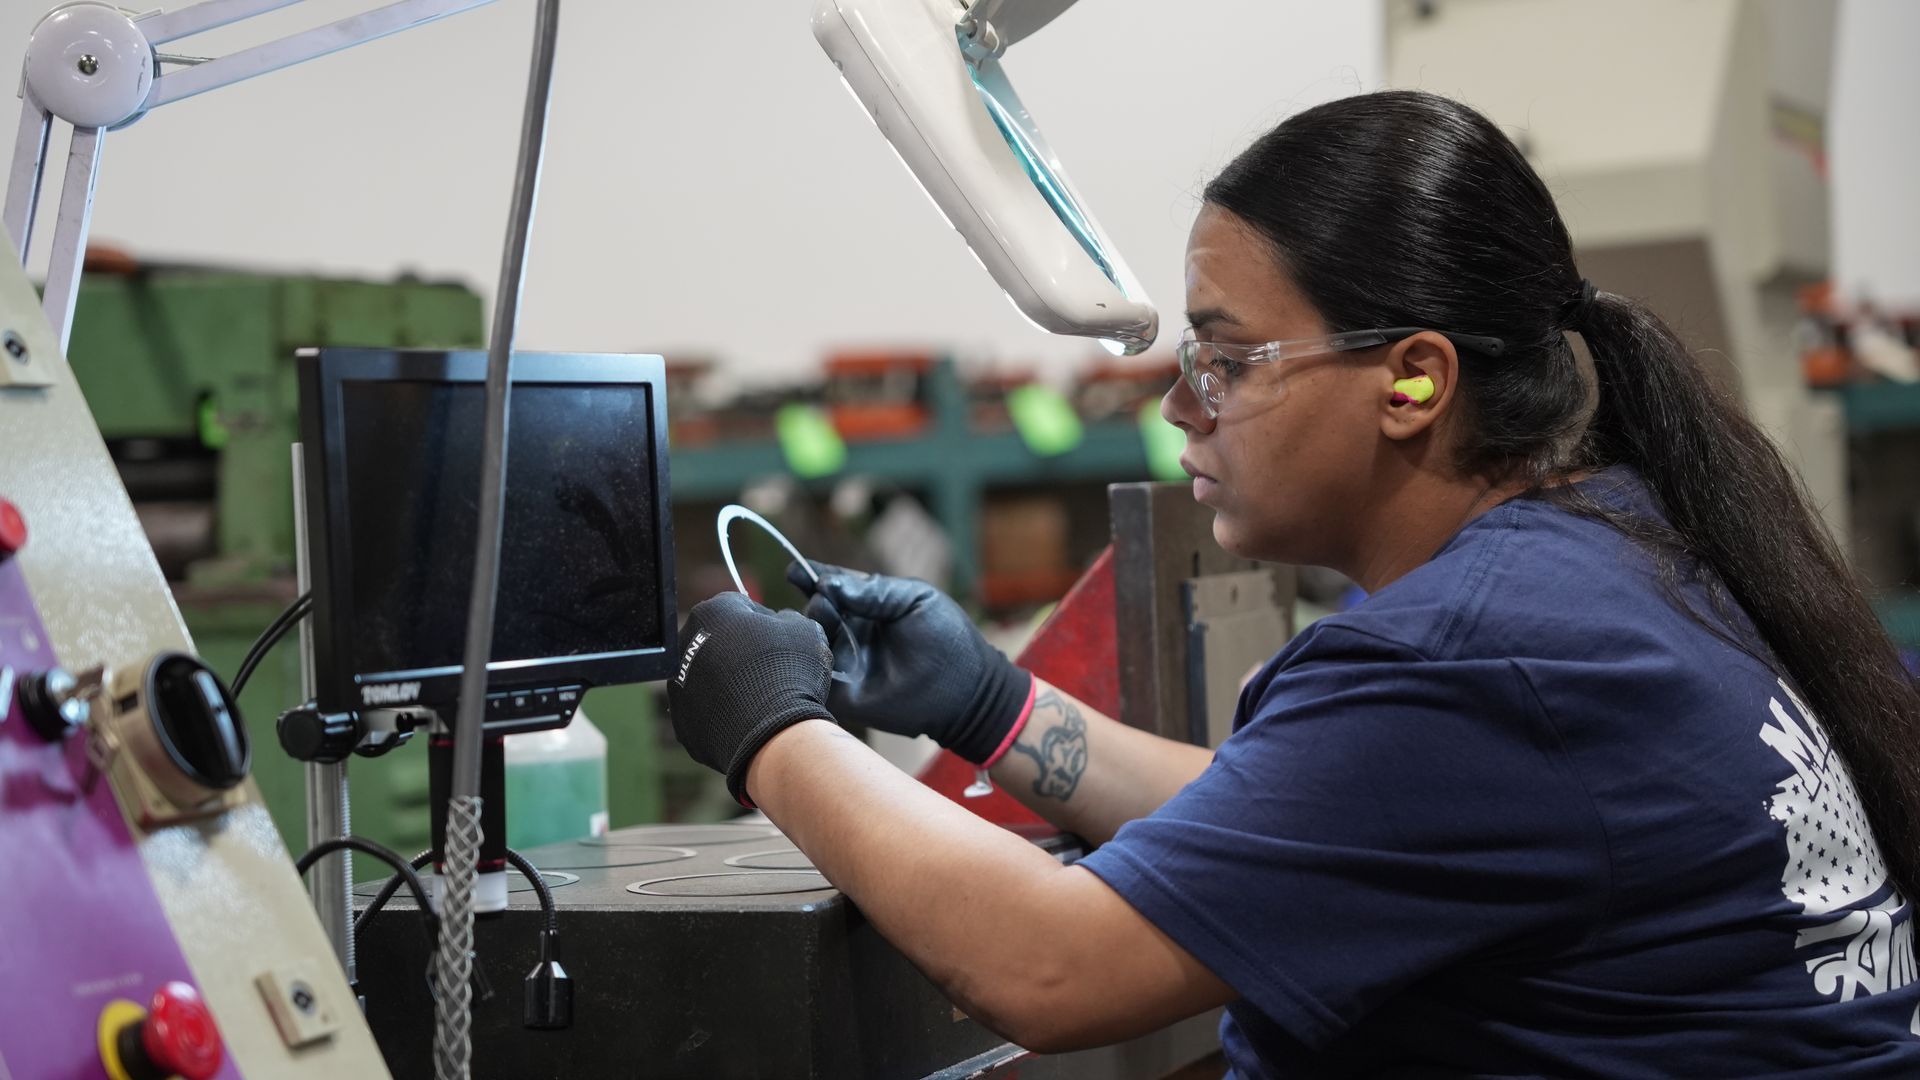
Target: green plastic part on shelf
x=1165 y=443
x=1045 y=420
x=809 y=442
x=213 y=433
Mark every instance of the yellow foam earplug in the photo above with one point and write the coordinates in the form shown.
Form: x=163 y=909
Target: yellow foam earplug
x=1417 y=389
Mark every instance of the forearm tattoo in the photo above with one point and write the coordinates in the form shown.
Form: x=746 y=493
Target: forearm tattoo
x=1062 y=755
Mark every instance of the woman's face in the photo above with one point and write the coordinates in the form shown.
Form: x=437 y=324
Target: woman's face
x=1285 y=467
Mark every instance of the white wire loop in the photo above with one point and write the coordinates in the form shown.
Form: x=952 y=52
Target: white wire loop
x=733 y=512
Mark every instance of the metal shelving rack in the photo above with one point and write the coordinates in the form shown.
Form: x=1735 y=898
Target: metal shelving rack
x=951 y=462
x=1876 y=407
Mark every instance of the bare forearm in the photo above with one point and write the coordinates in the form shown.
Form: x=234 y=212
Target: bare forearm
x=948 y=889
x=1089 y=773
x=1023 y=944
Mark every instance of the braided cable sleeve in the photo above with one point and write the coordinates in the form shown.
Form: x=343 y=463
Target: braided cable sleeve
x=453 y=959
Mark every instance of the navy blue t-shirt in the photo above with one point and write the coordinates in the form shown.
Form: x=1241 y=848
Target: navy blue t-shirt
x=1517 y=815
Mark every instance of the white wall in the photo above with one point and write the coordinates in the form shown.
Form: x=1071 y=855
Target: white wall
x=710 y=186
x=1873 y=146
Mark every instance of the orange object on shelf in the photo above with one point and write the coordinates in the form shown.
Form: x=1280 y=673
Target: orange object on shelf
x=877 y=395
x=879 y=421
x=1816 y=299
x=1828 y=365
x=107 y=259
x=693 y=431
x=856 y=365
x=1825 y=359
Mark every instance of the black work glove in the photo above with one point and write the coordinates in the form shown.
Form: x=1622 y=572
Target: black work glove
x=746 y=674
x=909 y=661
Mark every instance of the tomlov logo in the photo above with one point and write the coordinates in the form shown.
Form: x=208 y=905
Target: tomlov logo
x=390 y=693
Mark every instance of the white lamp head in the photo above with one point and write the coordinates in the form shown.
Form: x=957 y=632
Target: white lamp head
x=961 y=129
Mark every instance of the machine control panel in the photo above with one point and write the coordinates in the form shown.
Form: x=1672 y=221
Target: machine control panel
x=106 y=898
x=99 y=936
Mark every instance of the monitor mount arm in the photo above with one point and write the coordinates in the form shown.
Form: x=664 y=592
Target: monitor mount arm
x=98 y=68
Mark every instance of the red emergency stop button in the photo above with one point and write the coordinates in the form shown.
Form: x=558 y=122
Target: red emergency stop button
x=179 y=1036
x=13 y=529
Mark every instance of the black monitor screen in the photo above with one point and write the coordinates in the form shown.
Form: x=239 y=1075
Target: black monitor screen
x=578 y=568
x=392 y=458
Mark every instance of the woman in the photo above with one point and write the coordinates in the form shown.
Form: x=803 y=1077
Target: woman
x=1553 y=800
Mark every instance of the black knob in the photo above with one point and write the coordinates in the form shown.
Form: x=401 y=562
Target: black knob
x=307 y=734
x=198 y=721
x=49 y=702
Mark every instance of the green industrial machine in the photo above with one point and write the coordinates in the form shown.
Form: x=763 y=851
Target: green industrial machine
x=190 y=374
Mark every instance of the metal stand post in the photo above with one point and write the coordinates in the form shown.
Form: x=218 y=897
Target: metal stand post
x=329 y=806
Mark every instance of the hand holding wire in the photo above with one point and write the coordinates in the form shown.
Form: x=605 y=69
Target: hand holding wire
x=925 y=669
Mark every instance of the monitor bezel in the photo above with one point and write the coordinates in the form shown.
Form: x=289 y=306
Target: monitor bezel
x=322 y=374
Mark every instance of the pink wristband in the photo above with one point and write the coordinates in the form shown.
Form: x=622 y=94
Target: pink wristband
x=1013 y=732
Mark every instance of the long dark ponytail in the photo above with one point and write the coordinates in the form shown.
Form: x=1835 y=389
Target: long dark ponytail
x=1407 y=209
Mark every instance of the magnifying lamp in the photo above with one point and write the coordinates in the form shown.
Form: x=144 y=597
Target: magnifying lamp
x=929 y=74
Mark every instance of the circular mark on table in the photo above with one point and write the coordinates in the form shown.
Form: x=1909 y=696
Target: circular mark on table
x=553 y=878
x=515 y=883
x=739 y=883
x=777 y=859
x=620 y=858
x=682 y=836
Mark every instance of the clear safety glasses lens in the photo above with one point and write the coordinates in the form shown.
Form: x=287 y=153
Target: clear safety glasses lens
x=1212 y=369
x=1203 y=384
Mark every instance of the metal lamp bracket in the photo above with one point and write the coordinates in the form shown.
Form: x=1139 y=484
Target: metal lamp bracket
x=98 y=67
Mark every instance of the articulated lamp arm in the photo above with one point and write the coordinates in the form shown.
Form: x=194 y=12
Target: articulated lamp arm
x=98 y=67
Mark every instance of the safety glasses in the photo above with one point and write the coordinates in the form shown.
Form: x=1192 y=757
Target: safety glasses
x=1212 y=370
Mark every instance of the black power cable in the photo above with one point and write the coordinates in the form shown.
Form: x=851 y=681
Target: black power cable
x=384 y=854
x=549 y=989
x=277 y=629
x=540 y=888
x=386 y=892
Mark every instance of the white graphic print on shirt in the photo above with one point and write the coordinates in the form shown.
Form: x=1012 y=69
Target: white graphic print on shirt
x=1833 y=863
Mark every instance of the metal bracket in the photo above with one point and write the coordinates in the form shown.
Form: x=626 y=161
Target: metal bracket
x=84 y=108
